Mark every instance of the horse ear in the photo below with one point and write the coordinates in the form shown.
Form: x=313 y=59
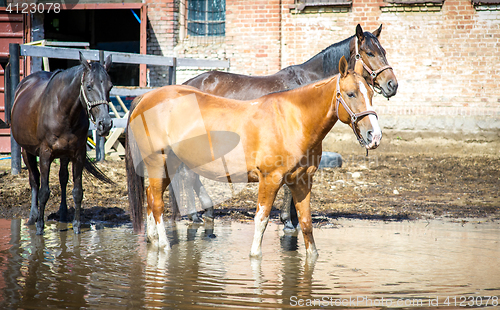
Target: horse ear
x=84 y=61
x=343 y=66
x=359 y=33
x=378 y=31
x=107 y=62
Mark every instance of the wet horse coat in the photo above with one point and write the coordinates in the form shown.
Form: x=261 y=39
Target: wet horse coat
x=50 y=119
x=363 y=47
x=278 y=142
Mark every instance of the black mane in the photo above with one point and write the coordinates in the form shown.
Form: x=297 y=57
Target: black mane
x=332 y=54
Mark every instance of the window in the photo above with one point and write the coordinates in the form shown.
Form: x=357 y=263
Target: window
x=321 y=5
x=486 y=5
x=411 y=5
x=206 y=17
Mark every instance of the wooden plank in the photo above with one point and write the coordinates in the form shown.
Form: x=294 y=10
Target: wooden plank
x=129 y=91
x=102 y=6
x=112 y=140
x=59 y=53
x=202 y=63
x=131 y=58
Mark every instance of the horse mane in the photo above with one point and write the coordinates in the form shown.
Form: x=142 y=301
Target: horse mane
x=332 y=54
x=54 y=74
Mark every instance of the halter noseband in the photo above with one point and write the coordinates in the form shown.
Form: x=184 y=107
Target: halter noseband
x=89 y=104
x=355 y=117
x=373 y=74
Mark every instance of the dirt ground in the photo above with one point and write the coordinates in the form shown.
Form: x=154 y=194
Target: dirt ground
x=410 y=176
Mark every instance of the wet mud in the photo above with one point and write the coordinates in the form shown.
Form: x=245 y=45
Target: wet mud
x=407 y=177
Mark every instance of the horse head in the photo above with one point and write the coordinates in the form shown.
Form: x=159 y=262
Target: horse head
x=371 y=54
x=94 y=93
x=355 y=96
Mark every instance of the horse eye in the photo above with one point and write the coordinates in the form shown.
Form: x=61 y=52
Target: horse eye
x=89 y=87
x=370 y=54
x=351 y=95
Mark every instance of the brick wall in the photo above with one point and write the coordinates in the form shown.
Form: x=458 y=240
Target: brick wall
x=162 y=33
x=446 y=58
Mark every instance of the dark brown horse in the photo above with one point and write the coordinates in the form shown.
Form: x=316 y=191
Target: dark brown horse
x=50 y=119
x=273 y=140
x=362 y=48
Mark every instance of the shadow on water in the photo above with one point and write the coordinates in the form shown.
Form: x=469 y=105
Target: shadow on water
x=361 y=264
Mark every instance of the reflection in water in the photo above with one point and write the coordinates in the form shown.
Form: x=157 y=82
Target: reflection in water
x=113 y=268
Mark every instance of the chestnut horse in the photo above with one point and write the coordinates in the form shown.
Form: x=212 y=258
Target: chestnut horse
x=273 y=140
x=363 y=47
x=50 y=119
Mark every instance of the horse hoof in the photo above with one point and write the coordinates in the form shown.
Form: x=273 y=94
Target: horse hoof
x=39 y=228
x=76 y=228
x=208 y=216
x=289 y=228
x=31 y=222
x=195 y=218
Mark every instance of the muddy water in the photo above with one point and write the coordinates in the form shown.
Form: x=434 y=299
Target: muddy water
x=362 y=263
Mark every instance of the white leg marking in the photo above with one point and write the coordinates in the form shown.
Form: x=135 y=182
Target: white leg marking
x=162 y=235
x=151 y=230
x=260 y=227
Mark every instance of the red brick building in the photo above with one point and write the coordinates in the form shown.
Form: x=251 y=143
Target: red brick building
x=446 y=54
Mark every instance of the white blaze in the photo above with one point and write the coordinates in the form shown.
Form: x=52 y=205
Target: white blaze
x=373 y=119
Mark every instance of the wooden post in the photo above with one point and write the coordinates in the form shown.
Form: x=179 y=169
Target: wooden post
x=143 y=46
x=15 y=149
x=172 y=70
x=100 y=141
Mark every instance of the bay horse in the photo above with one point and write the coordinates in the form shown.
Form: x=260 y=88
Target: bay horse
x=363 y=48
x=50 y=119
x=274 y=140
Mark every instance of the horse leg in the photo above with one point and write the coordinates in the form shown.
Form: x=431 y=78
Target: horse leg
x=44 y=193
x=188 y=179
x=34 y=177
x=156 y=232
x=63 y=181
x=301 y=192
x=288 y=213
x=268 y=188
x=206 y=202
x=173 y=202
x=77 y=191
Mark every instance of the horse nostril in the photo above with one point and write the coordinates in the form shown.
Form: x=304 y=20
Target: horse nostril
x=369 y=136
x=100 y=125
x=393 y=86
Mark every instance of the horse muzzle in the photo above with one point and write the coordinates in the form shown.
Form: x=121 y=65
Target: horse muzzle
x=372 y=140
x=103 y=126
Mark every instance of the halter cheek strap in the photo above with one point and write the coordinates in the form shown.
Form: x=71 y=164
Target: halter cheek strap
x=89 y=105
x=373 y=74
x=355 y=117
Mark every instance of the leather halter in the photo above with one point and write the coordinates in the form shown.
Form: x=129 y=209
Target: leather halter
x=355 y=117
x=89 y=105
x=373 y=74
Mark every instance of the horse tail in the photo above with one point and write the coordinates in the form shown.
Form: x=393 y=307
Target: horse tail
x=135 y=179
x=91 y=167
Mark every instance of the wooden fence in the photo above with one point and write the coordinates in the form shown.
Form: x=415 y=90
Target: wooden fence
x=12 y=80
